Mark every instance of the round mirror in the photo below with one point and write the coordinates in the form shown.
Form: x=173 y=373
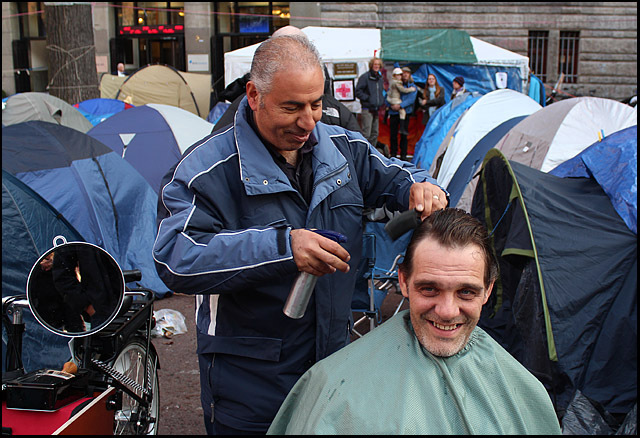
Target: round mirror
x=75 y=289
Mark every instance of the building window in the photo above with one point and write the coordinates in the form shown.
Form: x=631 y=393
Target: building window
x=568 y=56
x=251 y=17
x=32 y=19
x=538 y=42
x=150 y=13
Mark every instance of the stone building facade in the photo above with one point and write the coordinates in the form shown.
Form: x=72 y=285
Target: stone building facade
x=595 y=43
x=602 y=36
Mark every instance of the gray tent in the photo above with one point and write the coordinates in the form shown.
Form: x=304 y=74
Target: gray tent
x=558 y=132
x=24 y=107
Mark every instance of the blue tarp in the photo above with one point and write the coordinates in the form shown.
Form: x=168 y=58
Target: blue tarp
x=478 y=78
x=613 y=163
x=437 y=128
x=29 y=225
x=100 y=109
x=97 y=191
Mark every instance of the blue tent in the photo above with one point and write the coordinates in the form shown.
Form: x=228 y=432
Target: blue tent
x=565 y=304
x=152 y=137
x=613 y=163
x=437 y=128
x=29 y=225
x=100 y=109
x=98 y=192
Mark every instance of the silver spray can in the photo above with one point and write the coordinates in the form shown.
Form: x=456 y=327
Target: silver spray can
x=303 y=286
x=299 y=296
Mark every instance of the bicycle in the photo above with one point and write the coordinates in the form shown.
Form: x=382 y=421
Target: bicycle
x=111 y=350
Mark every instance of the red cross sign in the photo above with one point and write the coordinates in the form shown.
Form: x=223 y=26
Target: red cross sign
x=343 y=90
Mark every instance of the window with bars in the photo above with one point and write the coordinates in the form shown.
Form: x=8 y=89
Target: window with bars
x=537 y=51
x=568 y=56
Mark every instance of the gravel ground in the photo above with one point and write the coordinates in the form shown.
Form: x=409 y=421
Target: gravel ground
x=180 y=409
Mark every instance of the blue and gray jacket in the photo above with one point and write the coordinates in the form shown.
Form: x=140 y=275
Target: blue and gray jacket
x=226 y=237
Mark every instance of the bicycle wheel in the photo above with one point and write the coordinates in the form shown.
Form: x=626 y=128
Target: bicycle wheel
x=130 y=362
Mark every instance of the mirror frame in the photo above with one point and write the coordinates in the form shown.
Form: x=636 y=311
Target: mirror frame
x=93 y=330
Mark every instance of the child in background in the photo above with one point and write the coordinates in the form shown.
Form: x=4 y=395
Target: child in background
x=395 y=89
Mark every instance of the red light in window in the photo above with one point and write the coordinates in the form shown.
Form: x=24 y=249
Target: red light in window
x=126 y=28
x=160 y=27
x=153 y=31
x=145 y=27
x=169 y=31
x=179 y=27
x=121 y=32
x=138 y=31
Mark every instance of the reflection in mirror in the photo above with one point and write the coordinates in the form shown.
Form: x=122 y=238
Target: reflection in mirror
x=75 y=289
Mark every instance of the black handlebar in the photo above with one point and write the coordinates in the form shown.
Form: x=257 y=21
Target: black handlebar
x=132 y=275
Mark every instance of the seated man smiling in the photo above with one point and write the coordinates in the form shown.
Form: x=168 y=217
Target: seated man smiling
x=429 y=369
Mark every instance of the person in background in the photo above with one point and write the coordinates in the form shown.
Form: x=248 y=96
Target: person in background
x=369 y=91
x=396 y=90
x=433 y=95
x=458 y=87
x=398 y=125
x=120 y=70
x=235 y=225
x=429 y=370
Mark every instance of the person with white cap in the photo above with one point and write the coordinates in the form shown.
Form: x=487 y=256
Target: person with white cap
x=396 y=89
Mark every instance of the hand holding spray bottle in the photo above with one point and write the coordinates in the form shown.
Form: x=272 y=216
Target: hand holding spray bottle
x=303 y=286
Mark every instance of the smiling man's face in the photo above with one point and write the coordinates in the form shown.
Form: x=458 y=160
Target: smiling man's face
x=286 y=115
x=446 y=293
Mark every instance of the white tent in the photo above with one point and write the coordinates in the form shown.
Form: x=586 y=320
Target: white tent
x=488 y=54
x=488 y=112
x=335 y=45
x=359 y=45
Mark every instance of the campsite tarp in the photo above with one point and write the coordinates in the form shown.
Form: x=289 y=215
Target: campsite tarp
x=23 y=107
x=152 y=137
x=566 y=298
x=98 y=192
x=29 y=225
x=100 y=109
x=488 y=112
x=613 y=162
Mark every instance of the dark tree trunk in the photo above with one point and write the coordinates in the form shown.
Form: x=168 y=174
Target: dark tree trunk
x=72 y=54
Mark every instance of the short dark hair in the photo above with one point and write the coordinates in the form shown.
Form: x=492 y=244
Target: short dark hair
x=453 y=227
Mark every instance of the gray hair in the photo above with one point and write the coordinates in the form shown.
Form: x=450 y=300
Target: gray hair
x=278 y=53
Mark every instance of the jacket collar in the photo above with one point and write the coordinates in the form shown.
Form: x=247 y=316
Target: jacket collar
x=261 y=175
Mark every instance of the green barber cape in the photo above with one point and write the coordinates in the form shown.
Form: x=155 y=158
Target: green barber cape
x=386 y=383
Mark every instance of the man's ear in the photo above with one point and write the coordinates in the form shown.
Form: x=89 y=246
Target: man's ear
x=402 y=281
x=488 y=293
x=252 y=95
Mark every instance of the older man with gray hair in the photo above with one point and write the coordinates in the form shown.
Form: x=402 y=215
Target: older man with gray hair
x=236 y=225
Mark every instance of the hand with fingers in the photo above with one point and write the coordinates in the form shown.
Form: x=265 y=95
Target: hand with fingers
x=427 y=198
x=316 y=254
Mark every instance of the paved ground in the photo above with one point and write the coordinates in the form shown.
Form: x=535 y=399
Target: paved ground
x=180 y=410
